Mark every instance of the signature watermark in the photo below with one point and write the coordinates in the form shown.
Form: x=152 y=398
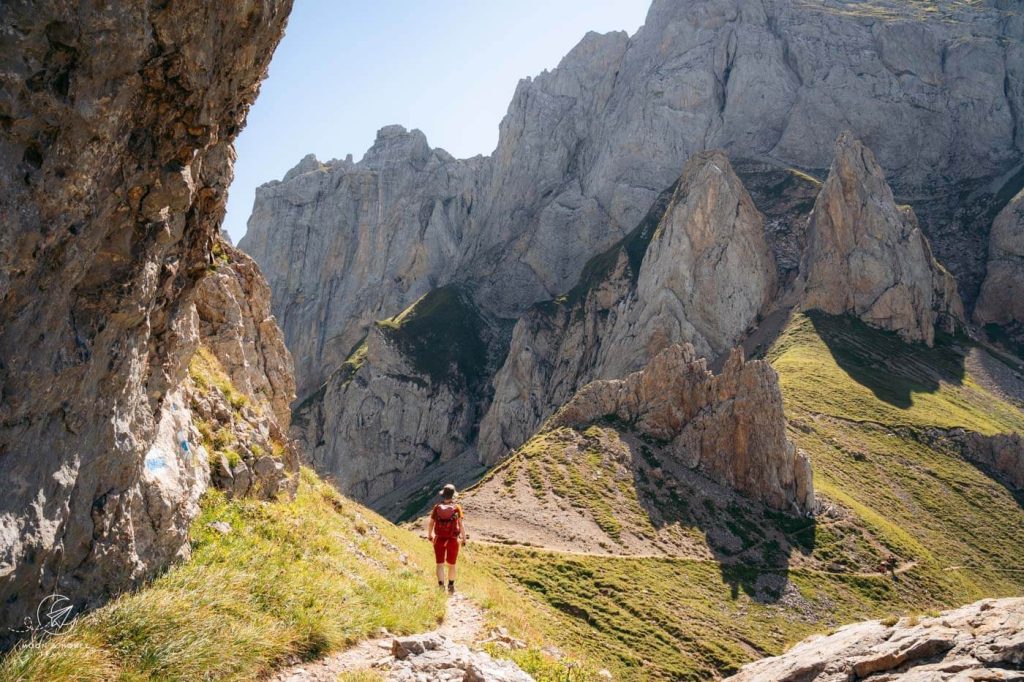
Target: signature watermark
x=54 y=614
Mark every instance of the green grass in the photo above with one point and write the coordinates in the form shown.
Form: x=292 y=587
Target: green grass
x=840 y=367
x=207 y=373
x=442 y=331
x=860 y=403
x=293 y=578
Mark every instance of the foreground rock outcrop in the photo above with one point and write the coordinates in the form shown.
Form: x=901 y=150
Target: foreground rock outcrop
x=697 y=270
x=867 y=256
x=982 y=641
x=1002 y=294
x=241 y=382
x=731 y=427
x=116 y=122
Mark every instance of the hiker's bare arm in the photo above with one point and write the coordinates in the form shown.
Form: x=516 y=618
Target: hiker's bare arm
x=430 y=529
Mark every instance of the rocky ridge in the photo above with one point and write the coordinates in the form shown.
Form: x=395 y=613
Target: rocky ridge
x=697 y=270
x=412 y=389
x=868 y=257
x=116 y=125
x=982 y=641
x=587 y=147
x=731 y=427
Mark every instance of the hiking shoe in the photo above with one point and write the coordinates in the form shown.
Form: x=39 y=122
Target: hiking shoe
x=451 y=588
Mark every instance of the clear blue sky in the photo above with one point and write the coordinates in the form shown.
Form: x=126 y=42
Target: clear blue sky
x=448 y=67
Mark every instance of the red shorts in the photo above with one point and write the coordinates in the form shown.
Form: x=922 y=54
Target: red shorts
x=446 y=550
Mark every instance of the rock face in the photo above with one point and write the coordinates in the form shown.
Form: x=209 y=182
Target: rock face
x=1002 y=294
x=344 y=244
x=587 y=147
x=241 y=382
x=982 y=641
x=437 y=658
x=697 y=270
x=116 y=124
x=407 y=400
x=868 y=257
x=730 y=427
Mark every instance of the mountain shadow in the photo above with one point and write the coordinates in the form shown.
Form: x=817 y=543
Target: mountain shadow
x=893 y=369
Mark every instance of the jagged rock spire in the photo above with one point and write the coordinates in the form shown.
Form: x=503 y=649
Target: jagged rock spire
x=867 y=256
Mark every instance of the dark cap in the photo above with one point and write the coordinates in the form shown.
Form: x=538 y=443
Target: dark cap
x=448 y=491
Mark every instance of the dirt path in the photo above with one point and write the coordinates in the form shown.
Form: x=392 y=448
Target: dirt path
x=463 y=624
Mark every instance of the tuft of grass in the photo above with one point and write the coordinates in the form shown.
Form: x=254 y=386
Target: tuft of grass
x=294 y=578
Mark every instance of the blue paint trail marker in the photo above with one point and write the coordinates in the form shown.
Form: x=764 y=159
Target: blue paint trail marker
x=155 y=463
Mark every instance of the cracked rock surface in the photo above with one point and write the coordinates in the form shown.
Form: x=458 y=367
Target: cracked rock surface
x=981 y=641
x=116 y=122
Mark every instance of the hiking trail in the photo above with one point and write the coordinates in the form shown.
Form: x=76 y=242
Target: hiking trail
x=463 y=624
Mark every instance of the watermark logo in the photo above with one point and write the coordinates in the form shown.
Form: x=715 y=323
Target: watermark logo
x=54 y=614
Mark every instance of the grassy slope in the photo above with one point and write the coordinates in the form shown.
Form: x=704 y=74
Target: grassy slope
x=293 y=580
x=859 y=401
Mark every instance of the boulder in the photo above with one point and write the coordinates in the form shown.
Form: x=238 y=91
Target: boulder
x=981 y=641
x=868 y=257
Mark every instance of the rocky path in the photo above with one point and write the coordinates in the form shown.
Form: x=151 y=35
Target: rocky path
x=444 y=653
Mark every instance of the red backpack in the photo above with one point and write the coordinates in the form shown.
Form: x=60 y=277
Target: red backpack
x=446 y=520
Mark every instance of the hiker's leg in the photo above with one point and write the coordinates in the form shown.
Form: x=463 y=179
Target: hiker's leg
x=451 y=573
x=439 y=552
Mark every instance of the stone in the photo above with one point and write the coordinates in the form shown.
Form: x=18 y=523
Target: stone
x=867 y=256
x=403 y=647
x=222 y=527
x=586 y=147
x=981 y=641
x=697 y=270
x=115 y=159
x=1002 y=294
x=731 y=427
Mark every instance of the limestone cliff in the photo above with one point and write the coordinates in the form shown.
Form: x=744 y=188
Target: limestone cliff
x=407 y=402
x=587 y=147
x=1002 y=294
x=982 y=641
x=697 y=270
x=730 y=427
x=867 y=256
x=116 y=122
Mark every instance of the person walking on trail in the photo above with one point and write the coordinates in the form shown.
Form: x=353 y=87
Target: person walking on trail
x=447 y=530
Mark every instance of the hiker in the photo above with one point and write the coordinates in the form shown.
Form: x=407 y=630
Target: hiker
x=446 y=529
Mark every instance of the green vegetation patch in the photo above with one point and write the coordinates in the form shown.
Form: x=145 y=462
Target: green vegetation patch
x=841 y=367
x=441 y=331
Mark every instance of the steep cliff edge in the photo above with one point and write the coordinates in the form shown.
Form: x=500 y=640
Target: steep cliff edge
x=868 y=257
x=1001 y=301
x=407 y=402
x=116 y=124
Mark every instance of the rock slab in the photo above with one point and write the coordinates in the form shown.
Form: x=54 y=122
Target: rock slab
x=982 y=641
